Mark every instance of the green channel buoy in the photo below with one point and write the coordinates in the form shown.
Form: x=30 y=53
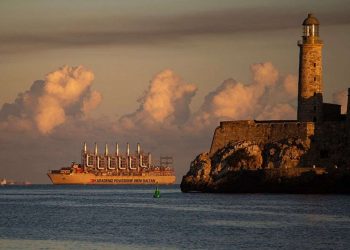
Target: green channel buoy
x=156 y=193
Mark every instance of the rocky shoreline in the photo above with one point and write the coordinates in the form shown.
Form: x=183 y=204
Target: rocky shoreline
x=246 y=167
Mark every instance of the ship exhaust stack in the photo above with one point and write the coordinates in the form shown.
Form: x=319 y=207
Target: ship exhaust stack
x=106 y=149
x=84 y=156
x=85 y=148
x=118 y=158
x=140 y=161
x=95 y=148
x=109 y=165
x=138 y=149
x=117 y=149
x=149 y=159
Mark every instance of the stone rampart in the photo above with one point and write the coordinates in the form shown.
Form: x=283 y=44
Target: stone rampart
x=259 y=132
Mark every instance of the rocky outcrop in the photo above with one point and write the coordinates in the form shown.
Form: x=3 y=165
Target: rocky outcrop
x=198 y=176
x=245 y=166
x=285 y=153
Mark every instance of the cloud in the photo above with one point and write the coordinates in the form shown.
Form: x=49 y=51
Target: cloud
x=268 y=96
x=49 y=114
x=163 y=122
x=290 y=85
x=92 y=100
x=341 y=98
x=166 y=101
x=280 y=111
x=65 y=93
x=264 y=74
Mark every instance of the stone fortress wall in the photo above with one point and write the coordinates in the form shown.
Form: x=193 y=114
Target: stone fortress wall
x=320 y=126
x=261 y=132
x=327 y=141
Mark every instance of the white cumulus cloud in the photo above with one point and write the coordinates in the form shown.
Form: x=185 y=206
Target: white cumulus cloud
x=166 y=101
x=268 y=96
x=64 y=93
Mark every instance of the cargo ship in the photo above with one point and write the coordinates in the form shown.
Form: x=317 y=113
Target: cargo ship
x=113 y=169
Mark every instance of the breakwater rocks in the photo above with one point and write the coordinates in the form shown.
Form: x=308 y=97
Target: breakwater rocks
x=246 y=167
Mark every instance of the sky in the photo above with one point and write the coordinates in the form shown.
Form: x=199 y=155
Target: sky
x=160 y=72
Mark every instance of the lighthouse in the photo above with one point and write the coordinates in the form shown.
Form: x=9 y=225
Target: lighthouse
x=310 y=86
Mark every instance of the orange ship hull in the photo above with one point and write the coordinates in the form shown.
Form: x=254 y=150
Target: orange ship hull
x=92 y=179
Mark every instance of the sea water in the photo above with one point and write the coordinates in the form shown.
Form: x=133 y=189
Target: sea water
x=128 y=217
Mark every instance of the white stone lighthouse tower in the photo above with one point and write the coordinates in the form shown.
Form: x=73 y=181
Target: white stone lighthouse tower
x=310 y=86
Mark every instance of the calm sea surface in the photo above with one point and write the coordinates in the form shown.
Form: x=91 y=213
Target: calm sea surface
x=128 y=217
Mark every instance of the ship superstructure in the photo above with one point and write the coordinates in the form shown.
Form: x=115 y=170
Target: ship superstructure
x=115 y=168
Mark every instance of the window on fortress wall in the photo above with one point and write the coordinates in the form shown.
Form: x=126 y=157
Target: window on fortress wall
x=324 y=154
x=315 y=65
x=315 y=119
x=315 y=79
x=314 y=108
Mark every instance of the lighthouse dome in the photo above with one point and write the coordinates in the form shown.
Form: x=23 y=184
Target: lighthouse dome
x=311 y=20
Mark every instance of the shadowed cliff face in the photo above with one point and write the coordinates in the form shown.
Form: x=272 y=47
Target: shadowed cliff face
x=245 y=166
x=285 y=153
